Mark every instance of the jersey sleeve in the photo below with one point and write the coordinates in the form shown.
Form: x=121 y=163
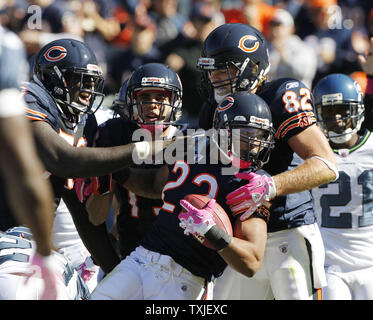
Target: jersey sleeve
x=39 y=105
x=292 y=109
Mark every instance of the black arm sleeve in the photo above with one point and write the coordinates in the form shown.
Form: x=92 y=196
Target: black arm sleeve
x=57 y=155
x=95 y=238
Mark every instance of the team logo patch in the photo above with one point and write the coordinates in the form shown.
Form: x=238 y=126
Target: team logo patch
x=225 y=104
x=259 y=121
x=284 y=248
x=152 y=80
x=248 y=43
x=332 y=98
x=55 y=53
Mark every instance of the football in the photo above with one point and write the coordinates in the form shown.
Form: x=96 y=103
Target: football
x=220 y=216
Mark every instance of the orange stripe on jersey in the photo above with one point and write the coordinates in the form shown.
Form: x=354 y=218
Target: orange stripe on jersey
x=33 y=118
x=297 y=116
x=293 y=118
x=36 y=113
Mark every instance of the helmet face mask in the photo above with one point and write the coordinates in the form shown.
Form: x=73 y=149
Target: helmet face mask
x=68 y=69
x=84 y=91
x=153 y=98
x=153 y=105
x=340 y=121
x=247 y=127
x=339 y=107
x=250 y=143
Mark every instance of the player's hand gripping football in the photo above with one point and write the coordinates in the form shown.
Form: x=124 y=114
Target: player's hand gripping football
x=45 y=268
x=249 y=197
x=196 y=221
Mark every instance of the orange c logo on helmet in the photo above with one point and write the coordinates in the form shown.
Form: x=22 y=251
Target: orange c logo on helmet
x=244 y=48
x=225 y=104
x=62 y=53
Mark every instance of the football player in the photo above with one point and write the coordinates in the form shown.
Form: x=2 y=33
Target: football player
x=344 y=207
x=150 y=100
x=235 y=58
x=20 y=281
x=170 y=263
x=25 y=196
x=61 y=98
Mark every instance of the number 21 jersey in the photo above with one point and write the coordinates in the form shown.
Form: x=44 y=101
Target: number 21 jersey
x=345 y=207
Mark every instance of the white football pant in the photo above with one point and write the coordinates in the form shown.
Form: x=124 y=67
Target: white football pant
x=292 y=269
x=148 y=275
x=350 y=285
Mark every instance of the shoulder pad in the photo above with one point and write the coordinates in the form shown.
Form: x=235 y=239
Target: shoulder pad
x=40 y=105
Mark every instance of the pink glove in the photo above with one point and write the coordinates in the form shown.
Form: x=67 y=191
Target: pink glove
x=84 y=187
x=249 y=197
x=45 y=268
x=87 y=269
x=197 y=221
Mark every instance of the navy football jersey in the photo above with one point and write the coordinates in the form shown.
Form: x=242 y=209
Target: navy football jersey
x=291 y=105
x=136 y=213
x=167 y=237
x=41 y=106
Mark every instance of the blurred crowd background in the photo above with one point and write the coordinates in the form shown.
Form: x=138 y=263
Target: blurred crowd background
x=307 y=38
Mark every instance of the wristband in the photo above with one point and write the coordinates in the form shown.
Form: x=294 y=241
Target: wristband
x=121 y=176
x=218 y=237
x=142 y=150
x=330 y=165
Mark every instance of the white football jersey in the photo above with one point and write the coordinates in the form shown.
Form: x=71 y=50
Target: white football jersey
x=15 y=256
x=66 y=238
x=345 y=209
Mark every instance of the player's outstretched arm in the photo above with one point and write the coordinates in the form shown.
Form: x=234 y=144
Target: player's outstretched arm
x=319 y=167
x=66 y=161
x=29 y=193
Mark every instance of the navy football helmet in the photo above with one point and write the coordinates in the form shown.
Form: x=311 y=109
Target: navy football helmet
x=246 y=120
x=68 y=69
x=238 y=45
x=154 y=77
x=339 y=106
x=120 y=105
